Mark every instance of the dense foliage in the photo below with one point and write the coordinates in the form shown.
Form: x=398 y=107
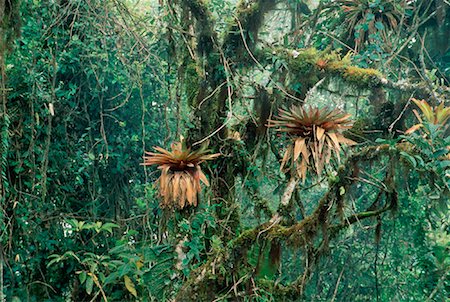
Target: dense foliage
x=348 y=202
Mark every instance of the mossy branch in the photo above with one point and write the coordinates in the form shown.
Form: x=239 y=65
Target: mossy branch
x=313 y=65
x=299 y=234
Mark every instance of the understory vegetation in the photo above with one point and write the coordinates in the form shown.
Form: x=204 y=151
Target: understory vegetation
x=237 y=150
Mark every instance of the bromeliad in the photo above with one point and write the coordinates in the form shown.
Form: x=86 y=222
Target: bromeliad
x=316 y=135
x=181 y=174
x=433 y=115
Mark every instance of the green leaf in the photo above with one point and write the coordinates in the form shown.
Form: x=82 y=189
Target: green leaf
x=108 y=227
x=444 y=164
x=419 y=159
x=80 y=225
x=379 y=25
x=89 y=285
x=82 y=277
x=130 y=286
x=409 y=158
x=440 y=153
x=72 y=222
x=96 y=226
x=56 y=259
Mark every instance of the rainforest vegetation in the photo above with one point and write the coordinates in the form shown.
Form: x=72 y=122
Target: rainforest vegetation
x=224 y=150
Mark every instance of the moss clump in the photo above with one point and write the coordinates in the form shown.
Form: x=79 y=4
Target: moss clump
x=205 y=25
x=10 y=23
x=247 y=9
x=309 y=63
x=304 y=60
x=362 y=76
x=250 y=14
x=337 y=66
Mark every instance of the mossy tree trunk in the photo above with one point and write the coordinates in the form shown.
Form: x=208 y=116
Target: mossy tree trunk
x=212 y=69
x=216 y=61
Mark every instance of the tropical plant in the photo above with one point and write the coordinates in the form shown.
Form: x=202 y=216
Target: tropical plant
x=438 y=115
x=366 y=18
x=316 y=134
x=180 y=172
x=88 y=86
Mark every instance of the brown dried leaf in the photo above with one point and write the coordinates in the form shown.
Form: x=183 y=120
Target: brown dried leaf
x=176 y=185
x=286 y=157
x=299 y=146
x=320 y=132
x=182 y=200
x=335 y=140
x=190 y=190
x=202 y=176
x=344 y=140
x=413 y=128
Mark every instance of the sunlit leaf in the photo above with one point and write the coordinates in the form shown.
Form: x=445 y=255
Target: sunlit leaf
x=130 y=286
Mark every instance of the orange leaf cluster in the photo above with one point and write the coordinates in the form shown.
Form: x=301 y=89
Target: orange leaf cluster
x=321 y=64
x=316 y=135
x=181 y=174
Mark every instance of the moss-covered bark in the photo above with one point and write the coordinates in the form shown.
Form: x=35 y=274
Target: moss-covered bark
x=211 y=96
x=312 y=233
x=243 y=34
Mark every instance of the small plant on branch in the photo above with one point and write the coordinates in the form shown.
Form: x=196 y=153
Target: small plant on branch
x=365 y=18
x=181 y=174
x=432 y=120
x=437 y=116
x=316 y=135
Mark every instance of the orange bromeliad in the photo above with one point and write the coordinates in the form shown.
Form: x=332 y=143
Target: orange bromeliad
x=181 y=174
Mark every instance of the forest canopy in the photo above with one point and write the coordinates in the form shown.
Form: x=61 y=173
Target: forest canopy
x=224 y=150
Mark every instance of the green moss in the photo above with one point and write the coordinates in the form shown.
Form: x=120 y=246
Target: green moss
x=337 y=66
x=249 y=9
x=279 y=291
x=310 y=64
x=251 y=16
x=304 y=60
x=193 y=77
x=336 y=63
x=11 y=23
x=362 y=76
x=205 y=25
